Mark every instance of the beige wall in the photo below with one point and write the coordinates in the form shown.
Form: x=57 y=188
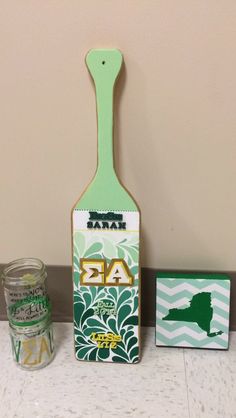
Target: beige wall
x=175 y=124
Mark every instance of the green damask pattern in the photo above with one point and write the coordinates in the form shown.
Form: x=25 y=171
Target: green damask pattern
x=125 y=299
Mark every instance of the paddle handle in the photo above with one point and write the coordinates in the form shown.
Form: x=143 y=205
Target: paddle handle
x=104 y=66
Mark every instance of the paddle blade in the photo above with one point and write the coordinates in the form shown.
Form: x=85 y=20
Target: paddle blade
x=106 y=285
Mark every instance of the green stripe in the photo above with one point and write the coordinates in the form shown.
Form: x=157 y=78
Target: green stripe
x=16 y=345
x=187 y=294
x=30 y=323
x=162 y=309
x=193 y=342
x=171 y=284
x=193 y=276
x=220 y=297
x=219 y=327
x=168 y=326
x=195 y=283
x=173 y=298
x=218 y=311
x=221 y=312
x=174 y=325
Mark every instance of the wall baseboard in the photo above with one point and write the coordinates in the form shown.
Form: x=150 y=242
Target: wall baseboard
x=60 y=291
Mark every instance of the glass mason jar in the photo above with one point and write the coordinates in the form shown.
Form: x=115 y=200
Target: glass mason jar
x=32 y=347
x=24 y=283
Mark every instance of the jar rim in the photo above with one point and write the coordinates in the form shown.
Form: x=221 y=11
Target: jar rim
x=17 y=272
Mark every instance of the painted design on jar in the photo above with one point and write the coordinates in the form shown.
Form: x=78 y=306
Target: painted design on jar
x=32 y=349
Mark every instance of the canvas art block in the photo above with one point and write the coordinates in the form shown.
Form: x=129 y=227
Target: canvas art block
x=192 y=310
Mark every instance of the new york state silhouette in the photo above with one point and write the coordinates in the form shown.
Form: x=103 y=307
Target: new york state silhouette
x=199 y=311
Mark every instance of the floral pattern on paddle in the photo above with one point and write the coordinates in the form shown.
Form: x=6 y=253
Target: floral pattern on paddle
x=106 y=316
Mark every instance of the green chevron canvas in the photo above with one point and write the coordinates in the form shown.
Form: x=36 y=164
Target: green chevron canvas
x=192 y=310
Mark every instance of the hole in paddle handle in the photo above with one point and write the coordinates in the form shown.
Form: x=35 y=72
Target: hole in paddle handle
x=103 y=62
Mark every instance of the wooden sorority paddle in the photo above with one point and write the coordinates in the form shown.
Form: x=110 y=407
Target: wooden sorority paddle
x=105 y=228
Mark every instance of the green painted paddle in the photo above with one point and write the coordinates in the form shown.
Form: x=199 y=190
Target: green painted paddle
x=105 y=226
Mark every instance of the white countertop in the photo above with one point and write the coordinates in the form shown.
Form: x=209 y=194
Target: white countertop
x=168 y=382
